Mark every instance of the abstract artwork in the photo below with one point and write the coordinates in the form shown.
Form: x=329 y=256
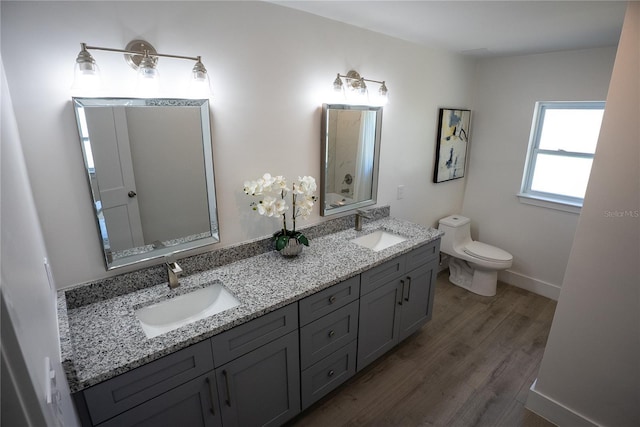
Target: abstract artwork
x=451 y=147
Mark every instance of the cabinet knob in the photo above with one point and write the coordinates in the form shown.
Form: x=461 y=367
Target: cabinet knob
x=331 y=333
x=332 y=299
x=132 y=194
x=330 y=373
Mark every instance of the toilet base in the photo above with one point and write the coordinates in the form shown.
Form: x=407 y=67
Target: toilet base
x=478 y=281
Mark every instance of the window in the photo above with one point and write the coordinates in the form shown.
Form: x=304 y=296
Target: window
x=563 y=140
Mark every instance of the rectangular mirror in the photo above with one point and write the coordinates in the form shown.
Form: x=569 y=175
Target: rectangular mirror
x=350 y=157
x=150 y=169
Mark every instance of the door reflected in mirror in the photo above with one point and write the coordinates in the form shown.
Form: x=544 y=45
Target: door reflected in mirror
x=350 y=157
x=150 y=169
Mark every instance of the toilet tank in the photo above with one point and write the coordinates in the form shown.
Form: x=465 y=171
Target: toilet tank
x=457 y=232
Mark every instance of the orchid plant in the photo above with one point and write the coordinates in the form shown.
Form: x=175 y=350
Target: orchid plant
x=273 y=191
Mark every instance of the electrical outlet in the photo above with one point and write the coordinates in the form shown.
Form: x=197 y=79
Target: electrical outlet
x=400 y=192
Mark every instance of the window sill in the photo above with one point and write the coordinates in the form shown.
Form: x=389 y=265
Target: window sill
x=549 y=203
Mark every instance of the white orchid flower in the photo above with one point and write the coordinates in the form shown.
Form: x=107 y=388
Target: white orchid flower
x=307 y=185
x=251 y=188
x=267 y=206
x=281 y=207
x=280 y=184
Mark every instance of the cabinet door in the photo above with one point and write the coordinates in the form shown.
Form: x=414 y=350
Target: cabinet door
x=263 y=386
x=379 y=322
x=193 y=404
x=126 y=391
x=417 y=298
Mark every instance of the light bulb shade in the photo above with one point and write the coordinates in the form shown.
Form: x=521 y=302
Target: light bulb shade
x=383 y=94
x=383 y=90
x=362 y=87
x=147 y=68
x=148 y=78
x=337 y=84
x=86 y=75
x=199 y=83
x=199 y=72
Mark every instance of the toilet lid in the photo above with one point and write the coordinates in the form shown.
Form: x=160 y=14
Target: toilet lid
x=487 y=252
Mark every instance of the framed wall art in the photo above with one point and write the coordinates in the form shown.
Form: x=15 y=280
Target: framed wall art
x=451 y=145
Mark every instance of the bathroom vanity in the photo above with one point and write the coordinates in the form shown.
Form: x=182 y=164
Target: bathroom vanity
x=303 y=327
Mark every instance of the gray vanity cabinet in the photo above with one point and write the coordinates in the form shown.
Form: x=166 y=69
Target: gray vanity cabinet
x=328 y=339
x=156 y=393
x=263 y=386
x=193 y=404
x=396 y=300
x=417 y=300
x=248 y=375
x=379 y=322
x=258 y=370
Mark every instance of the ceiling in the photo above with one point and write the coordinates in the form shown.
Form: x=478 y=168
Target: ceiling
x=482 y=28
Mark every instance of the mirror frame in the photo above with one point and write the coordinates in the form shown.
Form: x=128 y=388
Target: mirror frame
x=325 y=158
x=154 y=253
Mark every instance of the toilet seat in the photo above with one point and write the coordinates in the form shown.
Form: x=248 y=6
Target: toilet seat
x=487 y=252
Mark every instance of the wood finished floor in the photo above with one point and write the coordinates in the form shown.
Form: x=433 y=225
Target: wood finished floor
x=471 y=365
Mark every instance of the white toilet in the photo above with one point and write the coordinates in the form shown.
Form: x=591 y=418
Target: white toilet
x=473 y=265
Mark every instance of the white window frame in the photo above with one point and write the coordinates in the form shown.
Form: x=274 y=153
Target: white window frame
x=544 y=199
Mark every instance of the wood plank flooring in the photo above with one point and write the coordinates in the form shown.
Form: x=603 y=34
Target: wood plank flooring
x=471 y=365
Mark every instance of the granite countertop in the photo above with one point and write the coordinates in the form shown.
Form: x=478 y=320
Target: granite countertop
x=104 y=339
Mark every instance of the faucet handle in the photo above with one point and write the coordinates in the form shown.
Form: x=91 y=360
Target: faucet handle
x=172 y=264
x=364 y=213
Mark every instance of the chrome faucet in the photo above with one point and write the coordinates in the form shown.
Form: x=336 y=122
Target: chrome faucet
x=359 y=215
x=173 y=269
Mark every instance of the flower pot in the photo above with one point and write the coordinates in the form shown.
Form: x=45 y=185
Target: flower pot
x=292 y=248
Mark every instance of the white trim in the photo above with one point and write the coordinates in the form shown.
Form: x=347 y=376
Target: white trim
x=554 y=411
x=530 y=284
x=546 y=202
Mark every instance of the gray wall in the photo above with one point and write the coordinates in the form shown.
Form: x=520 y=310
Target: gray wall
x=271 y=69
x=506 y=90
x=29 y=320
x=590 y=372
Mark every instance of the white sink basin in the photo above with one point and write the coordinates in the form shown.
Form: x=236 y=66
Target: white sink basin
x=379 y=240
x=173 y=313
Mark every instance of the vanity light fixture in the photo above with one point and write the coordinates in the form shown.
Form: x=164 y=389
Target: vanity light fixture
x=143 y=57
x=354 y=86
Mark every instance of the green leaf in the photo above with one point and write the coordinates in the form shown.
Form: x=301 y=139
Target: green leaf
x=281 y=242
x=302 y=239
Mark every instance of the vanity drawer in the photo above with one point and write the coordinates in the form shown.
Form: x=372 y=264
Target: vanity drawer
x=319 y=304
x=329 y=373
x=132 y=388
x=322 y=337
x=422 y=255
x=382 y=274
x=256 y=333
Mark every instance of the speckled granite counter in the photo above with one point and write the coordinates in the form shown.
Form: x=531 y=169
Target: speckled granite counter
x=104 y=339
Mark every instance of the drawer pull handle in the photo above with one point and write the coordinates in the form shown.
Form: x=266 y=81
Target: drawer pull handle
x=332 y=299
x=213 y=410
x=226 y=383
x=332 y=333
x=402 y=291
x=330 y=373
x=408 y=289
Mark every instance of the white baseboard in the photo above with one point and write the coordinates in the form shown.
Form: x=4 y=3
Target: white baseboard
x=554 y=411
x=530 y=284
